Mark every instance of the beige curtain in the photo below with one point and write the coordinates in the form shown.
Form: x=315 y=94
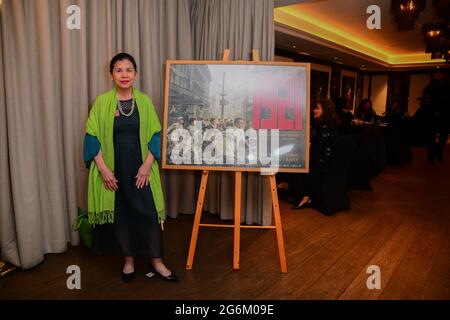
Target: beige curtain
x=7 y=225
x=50 y=76
x=240 y=26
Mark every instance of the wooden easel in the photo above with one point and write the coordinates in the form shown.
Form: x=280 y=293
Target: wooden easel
x=237 y=210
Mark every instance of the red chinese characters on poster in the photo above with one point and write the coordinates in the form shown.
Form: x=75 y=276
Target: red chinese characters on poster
x=279 y=107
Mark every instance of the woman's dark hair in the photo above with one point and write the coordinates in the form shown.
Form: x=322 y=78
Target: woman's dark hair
x=364 y=101
x=361 y=110
x=340 y=104
x=329 y=115
x=119 y=57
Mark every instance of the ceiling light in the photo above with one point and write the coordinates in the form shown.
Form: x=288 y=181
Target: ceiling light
x=406 y=12
x=437 y=38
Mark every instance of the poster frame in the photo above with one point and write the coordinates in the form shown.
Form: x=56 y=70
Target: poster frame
x=268 y=170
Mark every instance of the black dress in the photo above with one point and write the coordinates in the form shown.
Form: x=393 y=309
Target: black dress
x=321 y=152
x=135 y=231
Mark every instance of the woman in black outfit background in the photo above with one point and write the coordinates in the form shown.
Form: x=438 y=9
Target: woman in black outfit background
x=324 y=128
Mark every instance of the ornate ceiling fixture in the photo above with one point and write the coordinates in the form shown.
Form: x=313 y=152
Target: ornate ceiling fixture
x=436 y=37
x=437 y=33
x=406 y=12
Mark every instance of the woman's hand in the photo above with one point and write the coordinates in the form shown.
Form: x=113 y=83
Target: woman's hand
x=142 y=175
x=109 y=180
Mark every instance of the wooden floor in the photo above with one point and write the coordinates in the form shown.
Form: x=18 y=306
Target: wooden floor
x=402 y=226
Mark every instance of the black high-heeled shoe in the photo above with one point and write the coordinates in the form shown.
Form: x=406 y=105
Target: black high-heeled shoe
x=127 y=277
x=305 y=205
x=172 y=277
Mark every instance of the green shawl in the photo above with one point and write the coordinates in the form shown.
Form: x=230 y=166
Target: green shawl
x=100 y=124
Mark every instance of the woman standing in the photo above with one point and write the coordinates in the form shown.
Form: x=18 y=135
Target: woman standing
x=121 y=150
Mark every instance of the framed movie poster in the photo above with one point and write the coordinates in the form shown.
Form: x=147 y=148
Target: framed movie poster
x=320 y=81
x=240 y=116
x=348 y=88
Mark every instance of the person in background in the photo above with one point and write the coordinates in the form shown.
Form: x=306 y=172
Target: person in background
x=423 y=119
x=365 y=111
x=394 y=113
x=440 y=104
x=239 y=123
x=345 y=116
x=179 y=124
x=121 y=151
x=191 y=126
x=324 y=128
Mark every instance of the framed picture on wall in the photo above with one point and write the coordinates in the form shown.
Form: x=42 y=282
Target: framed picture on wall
x=348 y=88
x=320 y=81
x=398 y=92
x=236 y=116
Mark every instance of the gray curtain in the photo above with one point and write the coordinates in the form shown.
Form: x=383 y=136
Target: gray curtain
x=239 y=26
x=233 y=24
x=50 y=76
